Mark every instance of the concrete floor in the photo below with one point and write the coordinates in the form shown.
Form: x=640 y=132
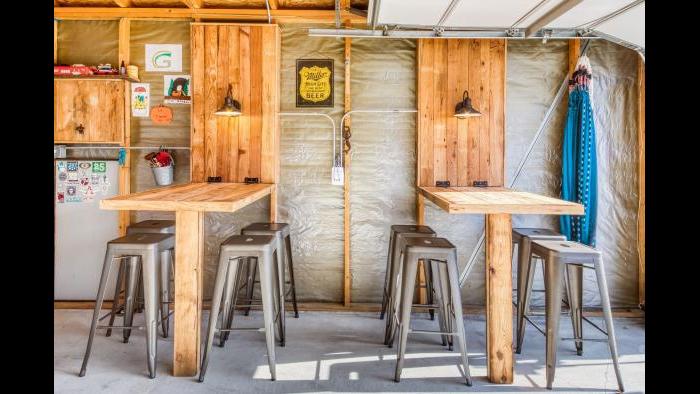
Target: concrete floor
x=340 y=352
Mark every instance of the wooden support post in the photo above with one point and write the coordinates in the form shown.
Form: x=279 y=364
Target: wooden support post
x=420 y=209
x=124 y=171
x=347 y=284
x=422 y=291
x=641 y=145
x=499 y=307
x=189 y=243
x=273 y=204
x=574 y=53
x=55 y=41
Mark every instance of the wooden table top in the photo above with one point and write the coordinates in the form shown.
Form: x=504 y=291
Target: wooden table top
x=497 y=200
x=205 y=197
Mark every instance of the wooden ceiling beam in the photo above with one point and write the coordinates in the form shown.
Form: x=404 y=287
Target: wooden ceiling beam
x=123 y=3
x=195 y=4
x=278 y=16
x=274 y=4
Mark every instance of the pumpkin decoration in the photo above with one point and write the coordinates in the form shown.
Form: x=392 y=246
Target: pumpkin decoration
x=161 y=114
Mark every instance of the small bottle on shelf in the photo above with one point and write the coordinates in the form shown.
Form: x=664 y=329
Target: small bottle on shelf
x=122 y=69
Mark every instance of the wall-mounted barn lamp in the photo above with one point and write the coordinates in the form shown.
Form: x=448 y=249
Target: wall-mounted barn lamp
x=231 y=107
x=464 y=108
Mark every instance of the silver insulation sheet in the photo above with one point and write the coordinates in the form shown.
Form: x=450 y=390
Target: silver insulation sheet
x=306 y=199
x=88 y=42
x=382 y=175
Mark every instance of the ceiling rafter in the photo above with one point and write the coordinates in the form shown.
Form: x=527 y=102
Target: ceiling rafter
x=274 y=4
x=242 y=14
x=194 y=4
x=123 y=3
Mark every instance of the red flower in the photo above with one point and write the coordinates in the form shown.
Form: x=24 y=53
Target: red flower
x=163 y=158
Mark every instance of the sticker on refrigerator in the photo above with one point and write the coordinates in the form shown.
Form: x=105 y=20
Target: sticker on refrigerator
x=99 y=166
x=60 y=197
x=94 y=179
x=89 y=194
x=72 y=177
x=72 y=166
x=72 y=194
x=85 y=165
x=62 y=176
x=61 y=166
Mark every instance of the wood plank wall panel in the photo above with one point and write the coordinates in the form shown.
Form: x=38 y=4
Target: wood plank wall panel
x=247 y=57
x=461 y=150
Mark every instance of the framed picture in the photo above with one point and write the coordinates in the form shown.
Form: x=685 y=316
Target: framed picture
x=315 y=83
x=176 y=89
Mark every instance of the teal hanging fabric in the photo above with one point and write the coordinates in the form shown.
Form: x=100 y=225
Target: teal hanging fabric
x=122 y=156
x=579 y=165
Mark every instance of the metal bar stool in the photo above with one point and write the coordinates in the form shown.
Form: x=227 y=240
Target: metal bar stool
x=232 y=251
x=143 y=251
x=572 y=256
x=399 y=234
x=442 y=256
x=284 y=244
x=522 y=238
x=398 y=231
x=167 y=269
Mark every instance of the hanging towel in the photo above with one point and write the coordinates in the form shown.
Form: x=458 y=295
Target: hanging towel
x=579 y=164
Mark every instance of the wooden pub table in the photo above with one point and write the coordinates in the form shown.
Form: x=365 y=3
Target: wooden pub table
x=190 y=202
x=498 y=204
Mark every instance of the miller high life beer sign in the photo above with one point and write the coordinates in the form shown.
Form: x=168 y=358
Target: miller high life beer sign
x=315 y=83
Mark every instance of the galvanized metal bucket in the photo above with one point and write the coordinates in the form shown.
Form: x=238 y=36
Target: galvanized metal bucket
x=163 y=175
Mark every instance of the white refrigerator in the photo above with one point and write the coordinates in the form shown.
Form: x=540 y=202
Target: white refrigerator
x=82 y=229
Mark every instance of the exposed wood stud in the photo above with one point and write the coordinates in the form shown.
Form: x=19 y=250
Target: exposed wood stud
x=641 y=145
x=574 y=53
x=273 y=204
x=55 y=41
x=355 y=307
x=347 y=103
x=420 y=209
x=125 y=170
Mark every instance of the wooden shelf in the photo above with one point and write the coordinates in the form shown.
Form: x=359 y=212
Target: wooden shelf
x=97 y=77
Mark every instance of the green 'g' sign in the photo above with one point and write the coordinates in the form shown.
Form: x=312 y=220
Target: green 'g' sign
x=99 y=166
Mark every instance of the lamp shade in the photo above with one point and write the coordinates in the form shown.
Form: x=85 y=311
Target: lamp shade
x=464 y=108
x=231 y=107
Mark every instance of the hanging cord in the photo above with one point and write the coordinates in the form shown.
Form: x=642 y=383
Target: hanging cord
x=269 y=17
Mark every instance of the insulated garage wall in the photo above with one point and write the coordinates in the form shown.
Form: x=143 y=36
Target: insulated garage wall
x=384 y=159
x=306 y=199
